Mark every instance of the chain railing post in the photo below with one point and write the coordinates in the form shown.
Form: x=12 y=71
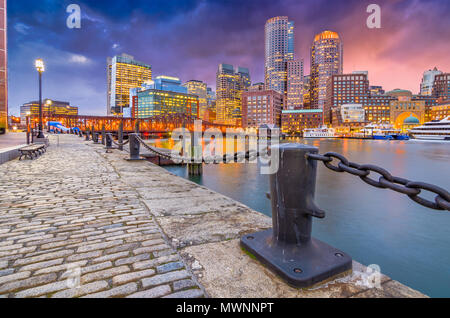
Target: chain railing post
x=103 y=135
x=87 y=135
x=108 y=142
x=135 y=148
x=288 y=248
x=120 y=136
x=95 y=137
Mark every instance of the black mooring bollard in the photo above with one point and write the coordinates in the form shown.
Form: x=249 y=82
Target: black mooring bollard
x=135 y=148
x=288 y=248
x=103 y=135
x=95 y=137
x=108 y=142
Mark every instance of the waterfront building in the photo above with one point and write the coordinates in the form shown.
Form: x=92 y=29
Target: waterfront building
x=426 y=86
x=123 y=74
x=440 y=111
x=326 y=61
x=261 y=107
x=345 y=89
x=294 y=121
x=441 y=86
x=162 y=96
x=279 y=48
x=49 y=108
x=199 y=88
x=404 y=107
x=230 y=84
x=3 y=68
x=378 y=109
x=430 y=101
x=294 y=97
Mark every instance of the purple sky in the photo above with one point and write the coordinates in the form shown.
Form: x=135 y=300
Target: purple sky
x=190 y=38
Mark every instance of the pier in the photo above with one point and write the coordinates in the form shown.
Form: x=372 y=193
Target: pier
x=122 y=228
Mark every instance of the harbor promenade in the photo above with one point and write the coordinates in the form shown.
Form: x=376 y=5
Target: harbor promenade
x=80 y=222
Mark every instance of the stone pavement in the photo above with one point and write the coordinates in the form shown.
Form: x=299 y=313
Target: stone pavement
x=69 y=216
x=78 y=216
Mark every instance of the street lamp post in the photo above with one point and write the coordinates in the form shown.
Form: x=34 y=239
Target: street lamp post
x=40 y=68
x=28 y=127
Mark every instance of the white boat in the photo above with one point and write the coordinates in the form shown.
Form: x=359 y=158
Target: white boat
x=433 y=130
x=322 y=132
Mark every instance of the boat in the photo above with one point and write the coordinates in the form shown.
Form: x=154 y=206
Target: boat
x=322 y=132
x=433 y=130
x=384 y=132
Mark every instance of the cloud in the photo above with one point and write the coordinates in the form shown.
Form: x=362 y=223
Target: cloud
x=79 y=59
x=21 y=28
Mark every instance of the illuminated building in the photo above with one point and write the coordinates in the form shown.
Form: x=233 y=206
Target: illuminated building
x=211 y=109
x=345 y=89
x=49 y=108
x=261 y=107
x=279 y=48
x=3 y=69
x=230 y=83
x=326 y=61
x=441 y=87
x=306 y=92
x=378 y=109
x=404 y=107
x=440 y=111
x=162 y=96
x=294 y=121
x=294 y=98
x=124 y=73
x=200 y=89
x=426 y=86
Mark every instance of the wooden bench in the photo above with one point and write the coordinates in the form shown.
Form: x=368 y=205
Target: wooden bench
x=32 y=150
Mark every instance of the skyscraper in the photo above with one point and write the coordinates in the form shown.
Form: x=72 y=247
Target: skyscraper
x=200 y=89
x=279 y=48
x=124 y=73
x=426 y=86
x=3 y=69
x=294 y=98
x=230 y=83
x=326 y=60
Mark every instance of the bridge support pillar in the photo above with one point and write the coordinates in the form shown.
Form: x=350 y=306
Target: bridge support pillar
x=195 y=169
x=288 y=248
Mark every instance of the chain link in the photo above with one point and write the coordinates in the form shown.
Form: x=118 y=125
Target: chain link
x=386 y=180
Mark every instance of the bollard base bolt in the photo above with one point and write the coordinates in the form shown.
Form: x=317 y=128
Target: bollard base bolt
x=300 y=266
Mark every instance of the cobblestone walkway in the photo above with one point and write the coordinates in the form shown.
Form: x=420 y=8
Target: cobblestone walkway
x=71 y=227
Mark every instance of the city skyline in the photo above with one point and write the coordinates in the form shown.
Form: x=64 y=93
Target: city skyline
x=393 y=55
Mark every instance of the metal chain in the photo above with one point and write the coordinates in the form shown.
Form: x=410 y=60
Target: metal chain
x=386 y=180
x=159 y=153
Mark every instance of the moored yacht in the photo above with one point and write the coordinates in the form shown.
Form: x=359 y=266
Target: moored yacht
x=322 y=132
x=433 y=130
